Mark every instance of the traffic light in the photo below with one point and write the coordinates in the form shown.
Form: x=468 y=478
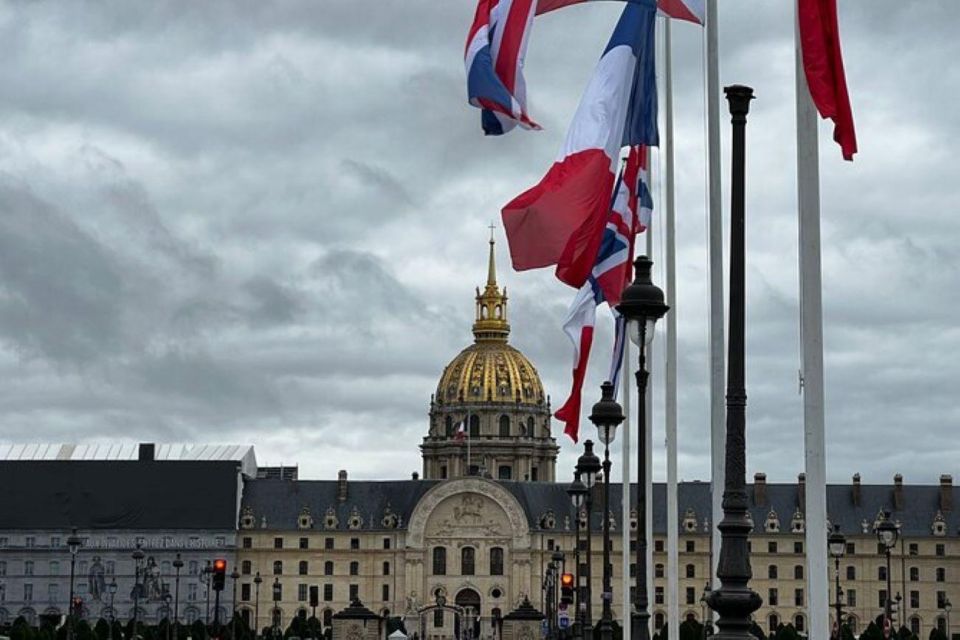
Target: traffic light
x=566 y=588
x=219 y=574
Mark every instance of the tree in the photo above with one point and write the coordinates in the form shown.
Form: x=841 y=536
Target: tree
x=936 y=634
x=690 y=630
x=872 y=632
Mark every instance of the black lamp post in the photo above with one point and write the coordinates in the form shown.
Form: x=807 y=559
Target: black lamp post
x=233 y=619
x=112 y=590
x=887 y=534
x=74 y=542
x=946 y=608
x=276 y=607
x=642 y=305
x=166 y=601
x=205 y=574
x=137 y=556
x=177 y=565
x=578 y=493
x=257 y=580
x=588 y=465
x=837 y=545
x=607 y=416
x=734 y=601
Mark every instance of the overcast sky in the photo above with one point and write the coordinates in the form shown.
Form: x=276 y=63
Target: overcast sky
x=263 y=222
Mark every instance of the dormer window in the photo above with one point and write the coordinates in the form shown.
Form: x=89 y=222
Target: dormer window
x=305 y=520
x=355 y=521
x=797 y=524
x=690 y=521
x=330 y=520
x=772 y=524
x=548 y=521
x=939 y=527
x=247 y=520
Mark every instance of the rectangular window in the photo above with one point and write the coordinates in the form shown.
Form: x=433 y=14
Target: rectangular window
x=658 y=595
x=691 y=546
x=54 y=568
x=798 y=547
x=302 y=592
x=691 y=595
x=851 y=597
x=111 y=567
x=245 y=591
x=354 y=543
x=53 y=592
x=28 y=592
x=851 y=573
x=386 y=568
x=28 y=567
x=328 y=593
x=550 y=544
x=914 y=549
x=851 y=548
x=304 y=543
x=773 y=598
x=328 y=543
x=3 y=567
x=385 y=593
x=278 y=543
x=658 y=546
x=882 y=598
x=914 y=599
x=354 y=592
x=798 y=597
x=941 y=549
x=386 y=543
x=941 y=599
x=191 y=591
x=772 y=546
x=29 y=541
x=247 y=542
x=3 y=541
x=54 y=541
x=438 y=618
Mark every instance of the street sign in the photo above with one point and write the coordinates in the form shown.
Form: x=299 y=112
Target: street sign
x=564 y=620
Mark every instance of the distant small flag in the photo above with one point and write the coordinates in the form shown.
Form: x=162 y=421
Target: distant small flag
x=461 y=431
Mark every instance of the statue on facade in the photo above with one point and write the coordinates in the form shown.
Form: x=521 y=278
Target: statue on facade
x=98 y=583
x=151 y=580
x=412 y=602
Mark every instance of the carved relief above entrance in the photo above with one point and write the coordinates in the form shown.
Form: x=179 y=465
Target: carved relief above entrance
x=469 y=508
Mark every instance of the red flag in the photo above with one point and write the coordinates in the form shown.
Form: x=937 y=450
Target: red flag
x=823 y=67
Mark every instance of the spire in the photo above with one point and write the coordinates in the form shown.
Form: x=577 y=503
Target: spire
x=491 y=320
x=491 y=265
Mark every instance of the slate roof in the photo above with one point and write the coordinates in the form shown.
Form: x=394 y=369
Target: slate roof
x=280 y=502
x=118 y=494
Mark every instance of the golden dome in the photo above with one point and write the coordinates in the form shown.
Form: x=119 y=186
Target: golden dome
x=490 y=370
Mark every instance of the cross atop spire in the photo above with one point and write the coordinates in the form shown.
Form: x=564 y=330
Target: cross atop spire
x=491 y=265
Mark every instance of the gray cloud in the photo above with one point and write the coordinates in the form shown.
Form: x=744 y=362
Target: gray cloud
x=263 y=223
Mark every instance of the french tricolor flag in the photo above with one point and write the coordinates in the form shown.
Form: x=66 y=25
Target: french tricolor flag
x=496 y=45
x=560 y=221
x=689 y=10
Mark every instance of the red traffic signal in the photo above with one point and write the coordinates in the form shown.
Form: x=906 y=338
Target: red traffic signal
x=219 y=574
x=566 y=580
x=566 y=588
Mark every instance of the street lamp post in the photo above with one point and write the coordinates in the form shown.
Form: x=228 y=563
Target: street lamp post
x=205 y=574
x=588 y=465
x=577 y=492
x=112 y=590
x=887 y=534
x=946 y=607
x=607 y=416
x=177 y=565
x=257 y=580
x=734 y=601
x=837 y=545
x=166 y=601
x=137 y=556
x=642 y=304
x=74 y=542
x=233 y=619
x=276 y=607
x=703 y=607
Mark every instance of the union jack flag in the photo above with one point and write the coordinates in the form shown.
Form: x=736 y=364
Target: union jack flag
x=630 y=213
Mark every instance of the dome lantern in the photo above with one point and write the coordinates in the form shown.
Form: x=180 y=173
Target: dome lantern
x=490 y=323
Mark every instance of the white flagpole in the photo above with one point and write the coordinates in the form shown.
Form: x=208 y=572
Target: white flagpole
x=670 y=370
x=811 y=330
x=625 y=531
x=648 y=434
x=715 y=251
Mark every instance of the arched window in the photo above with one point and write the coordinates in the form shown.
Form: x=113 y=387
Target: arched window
x=303 y=568
x=773 y=622
x=467 y=557
x=439 y=561
x=277 y=567
x=942 y=624
x=448 y=426
x=531 y=425
x=328 y=568
x=246 y=567
x=658 y=571
x=691 y=571
x=327 y=617
x=772 y=572
x=498 y=311
x=504 y=426
x=474 y=426
x=915 y=626
x=798 y=572
x=354 y=568
x=496 y=561
x=658 y=621
x=798 y=623
x=914 y=574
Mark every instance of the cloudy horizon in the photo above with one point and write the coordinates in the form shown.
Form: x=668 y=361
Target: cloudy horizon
x=263 y=223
